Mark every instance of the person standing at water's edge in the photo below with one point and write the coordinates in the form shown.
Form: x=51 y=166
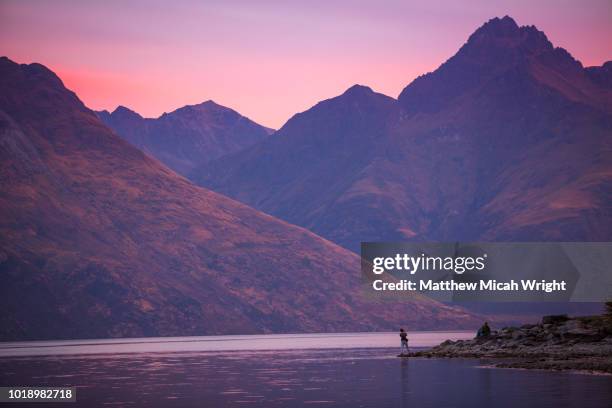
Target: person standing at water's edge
x=484 y=331
x=404 y=341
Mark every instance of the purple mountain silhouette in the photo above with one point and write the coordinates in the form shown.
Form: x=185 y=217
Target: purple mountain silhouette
x=100 y=240
x=189 y=136
x=510 y=139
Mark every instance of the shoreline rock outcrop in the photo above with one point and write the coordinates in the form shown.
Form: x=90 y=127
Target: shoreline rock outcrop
x=557 y=343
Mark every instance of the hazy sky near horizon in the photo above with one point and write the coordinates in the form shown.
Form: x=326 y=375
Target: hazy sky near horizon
x=267 y=59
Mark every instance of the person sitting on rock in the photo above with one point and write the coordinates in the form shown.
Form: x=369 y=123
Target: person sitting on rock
x=404 y=340
x=484 y=331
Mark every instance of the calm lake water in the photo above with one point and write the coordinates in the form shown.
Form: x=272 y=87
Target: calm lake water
x=346 y=370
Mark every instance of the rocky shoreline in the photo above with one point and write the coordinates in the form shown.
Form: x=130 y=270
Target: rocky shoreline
x=556 y=343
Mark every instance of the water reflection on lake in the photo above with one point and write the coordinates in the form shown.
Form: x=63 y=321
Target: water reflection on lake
x=351 y=370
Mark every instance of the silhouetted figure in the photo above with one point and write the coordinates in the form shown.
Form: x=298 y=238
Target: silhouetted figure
x=484 y=331
x=404 y=340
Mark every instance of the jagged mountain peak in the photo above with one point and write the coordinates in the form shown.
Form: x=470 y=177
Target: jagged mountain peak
x=505 y=33
x=505 y=26
x=500 y=48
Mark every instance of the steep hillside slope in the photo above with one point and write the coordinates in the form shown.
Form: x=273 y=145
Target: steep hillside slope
x=99 y=240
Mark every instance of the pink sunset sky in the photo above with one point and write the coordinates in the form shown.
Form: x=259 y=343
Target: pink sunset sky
x=267 y=59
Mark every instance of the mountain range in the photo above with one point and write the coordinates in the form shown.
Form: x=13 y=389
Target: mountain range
x=189 y=136
x=104 y=233
x=98 y=239
x=510 y=139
